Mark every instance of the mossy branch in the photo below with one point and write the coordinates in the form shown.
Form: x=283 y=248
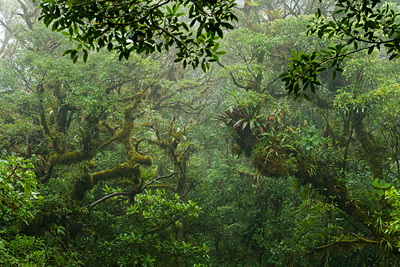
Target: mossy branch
x=124 y=134
x=135 y=157
x=129 y=170
x=125 y=170
x=73 y=157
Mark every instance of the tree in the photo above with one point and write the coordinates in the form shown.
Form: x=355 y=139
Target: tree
x=345 y=151
x=144 y=26
x=119 y=99
x=355 y=26
x=309 y=190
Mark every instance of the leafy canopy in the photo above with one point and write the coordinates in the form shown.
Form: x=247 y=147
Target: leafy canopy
x=355 y=26
x=143 y=26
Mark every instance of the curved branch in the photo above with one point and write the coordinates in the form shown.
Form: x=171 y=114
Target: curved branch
x=109 y=196
x=159 y=178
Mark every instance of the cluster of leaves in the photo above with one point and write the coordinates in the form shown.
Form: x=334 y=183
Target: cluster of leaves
x=18 y=190
x=355 y=26
x=159 y=217
x=25 y=250
x=245 y=117
x=144 y=26
x=17 y=204
x=302 y=74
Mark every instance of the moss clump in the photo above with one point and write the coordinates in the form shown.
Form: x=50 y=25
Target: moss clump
x=303 y=173
x=273 y=161
x=69 y=158
x=122 y=135
x=135 y=157
x=127 y=170
x=269 y=165
x=92 y=164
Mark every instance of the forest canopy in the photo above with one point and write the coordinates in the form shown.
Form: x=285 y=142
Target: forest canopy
x=142 y=162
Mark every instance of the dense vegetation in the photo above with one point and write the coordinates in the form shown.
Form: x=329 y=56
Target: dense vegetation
x=142 y=162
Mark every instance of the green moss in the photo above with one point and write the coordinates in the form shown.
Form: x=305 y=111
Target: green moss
x=135 y=157
x=272 y=161
x=130 y=170
x=271 y=166
x=92 y=164
x=126 y=170
x=136 y=98
x=124 y=134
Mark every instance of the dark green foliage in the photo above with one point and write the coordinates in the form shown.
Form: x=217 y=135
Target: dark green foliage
x=274 y=157
x=354 y=26
x=135 y=171
x=247 y=122
x=143 y=27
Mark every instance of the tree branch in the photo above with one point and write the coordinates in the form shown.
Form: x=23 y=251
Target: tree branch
x=233 y=78
x=159 y=178
x=109 y=196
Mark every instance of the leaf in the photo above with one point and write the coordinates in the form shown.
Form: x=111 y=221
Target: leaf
x=176 y=7
x=85 y=55
x=318 y=13
x=68 y=52
x=244 y=124
x=73 y=53
x=238 y=123
x=110 y=46
x=304 y=57
x=203 y=67
x=219 y=32
x=227 y=25
x=216 y=46
x=370 y=50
